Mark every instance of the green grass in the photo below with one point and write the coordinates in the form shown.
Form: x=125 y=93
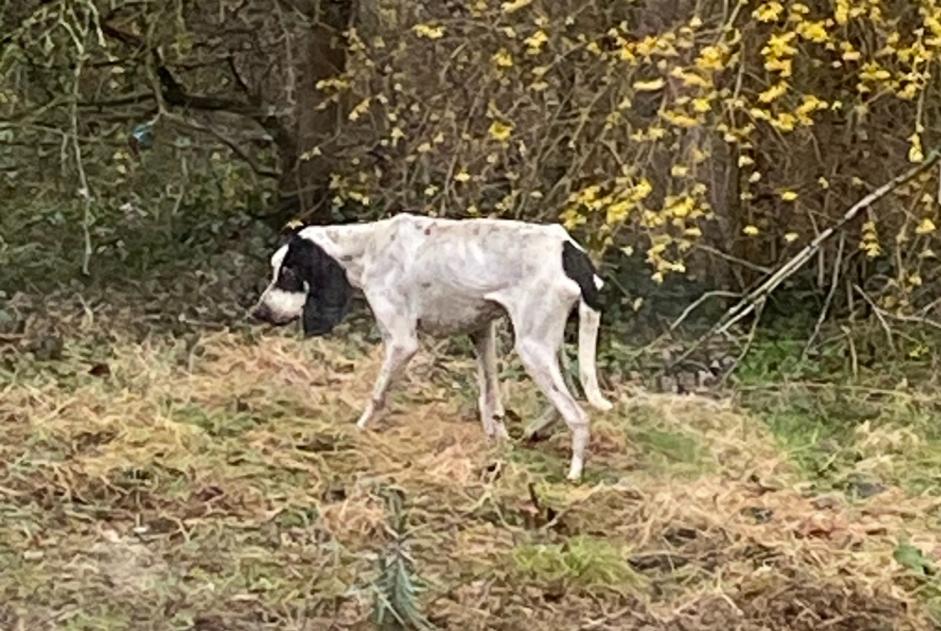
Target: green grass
x=587 y=562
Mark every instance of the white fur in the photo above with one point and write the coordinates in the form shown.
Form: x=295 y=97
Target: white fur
x=457 y=276
x=284 y=305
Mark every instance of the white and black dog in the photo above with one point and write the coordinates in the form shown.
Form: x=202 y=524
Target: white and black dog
x=447 y=277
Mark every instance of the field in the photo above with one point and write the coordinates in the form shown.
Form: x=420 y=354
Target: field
x=213 y=479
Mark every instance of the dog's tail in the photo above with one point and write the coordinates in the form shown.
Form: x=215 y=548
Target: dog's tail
x=578 y=267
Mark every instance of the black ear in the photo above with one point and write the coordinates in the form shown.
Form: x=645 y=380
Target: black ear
x=329 y=293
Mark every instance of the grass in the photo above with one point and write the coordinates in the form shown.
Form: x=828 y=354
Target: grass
x=588 y=562
x=162 y=466
x=216 y=482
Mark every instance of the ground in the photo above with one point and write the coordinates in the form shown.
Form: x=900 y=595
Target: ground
x=216 y=481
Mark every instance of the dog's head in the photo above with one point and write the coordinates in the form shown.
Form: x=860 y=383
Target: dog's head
x=306 y=283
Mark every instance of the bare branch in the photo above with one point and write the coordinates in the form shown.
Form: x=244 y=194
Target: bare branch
x=760 y=293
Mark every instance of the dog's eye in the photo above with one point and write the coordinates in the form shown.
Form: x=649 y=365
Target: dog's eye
x=289 y=280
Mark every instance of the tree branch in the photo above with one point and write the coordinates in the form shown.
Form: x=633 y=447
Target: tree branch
x=760 y=294
x=174 y=93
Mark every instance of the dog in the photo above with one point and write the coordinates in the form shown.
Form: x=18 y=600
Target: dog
x=450 y=277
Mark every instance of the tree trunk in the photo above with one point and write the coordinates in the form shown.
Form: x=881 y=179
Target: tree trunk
x=305 y=157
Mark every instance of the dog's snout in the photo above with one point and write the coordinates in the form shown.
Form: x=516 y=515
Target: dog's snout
x=261 y=313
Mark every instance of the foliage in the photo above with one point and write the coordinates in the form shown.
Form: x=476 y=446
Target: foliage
x=706 y=140
x=397 y=587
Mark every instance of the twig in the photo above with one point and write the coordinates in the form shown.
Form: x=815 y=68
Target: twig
x=834 y=279
x=84 y=190
x=748 y=342
x=879 y=316
x=854 y=357
x=733 y=259
x=228 y=142
x=706 y=296
x=751 y=300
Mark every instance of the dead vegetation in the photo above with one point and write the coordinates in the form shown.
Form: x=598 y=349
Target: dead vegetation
x=217 y=482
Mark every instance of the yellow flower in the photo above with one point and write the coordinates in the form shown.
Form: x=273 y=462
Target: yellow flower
x=502 y=59
x=462 y=176
x=915 y=153
x=359 y=110
x=788 y=196
x=759 y=114
x=680 y=119
x=872 y=71
x=649 y=86
x=779 y=45
x=678 y=170
x=515 y=5
x=750 y=230
x=642 y=190
x=925 y=227
x=790 y=237
x=785 y=121
x=679 y=206
x=849 y=53
x=768 y=12
x=813 y=31
x=773 y=93
x=428 y=31
x=782 y=66
x=711 y=58
x=701 y=105
x=500 y=131
x=535 y=42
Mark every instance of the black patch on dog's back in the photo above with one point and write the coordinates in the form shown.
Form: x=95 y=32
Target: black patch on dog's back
x=328 y=290
x=578 y=267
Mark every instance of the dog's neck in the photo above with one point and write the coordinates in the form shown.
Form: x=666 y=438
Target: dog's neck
x=346 y=244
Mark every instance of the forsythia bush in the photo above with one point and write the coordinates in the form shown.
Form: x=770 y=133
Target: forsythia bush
x=742 y=129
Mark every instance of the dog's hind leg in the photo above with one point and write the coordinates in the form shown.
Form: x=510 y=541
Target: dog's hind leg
x=489 y=405
x=539 y=326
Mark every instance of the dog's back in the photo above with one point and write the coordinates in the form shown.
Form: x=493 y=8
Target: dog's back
x=476 y=254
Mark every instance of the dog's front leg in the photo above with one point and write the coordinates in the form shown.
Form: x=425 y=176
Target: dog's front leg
x=400 y=340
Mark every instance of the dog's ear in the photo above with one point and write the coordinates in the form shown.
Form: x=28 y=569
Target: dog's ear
x=329 y=294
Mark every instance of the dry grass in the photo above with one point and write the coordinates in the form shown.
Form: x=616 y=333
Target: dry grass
x=220 y=484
